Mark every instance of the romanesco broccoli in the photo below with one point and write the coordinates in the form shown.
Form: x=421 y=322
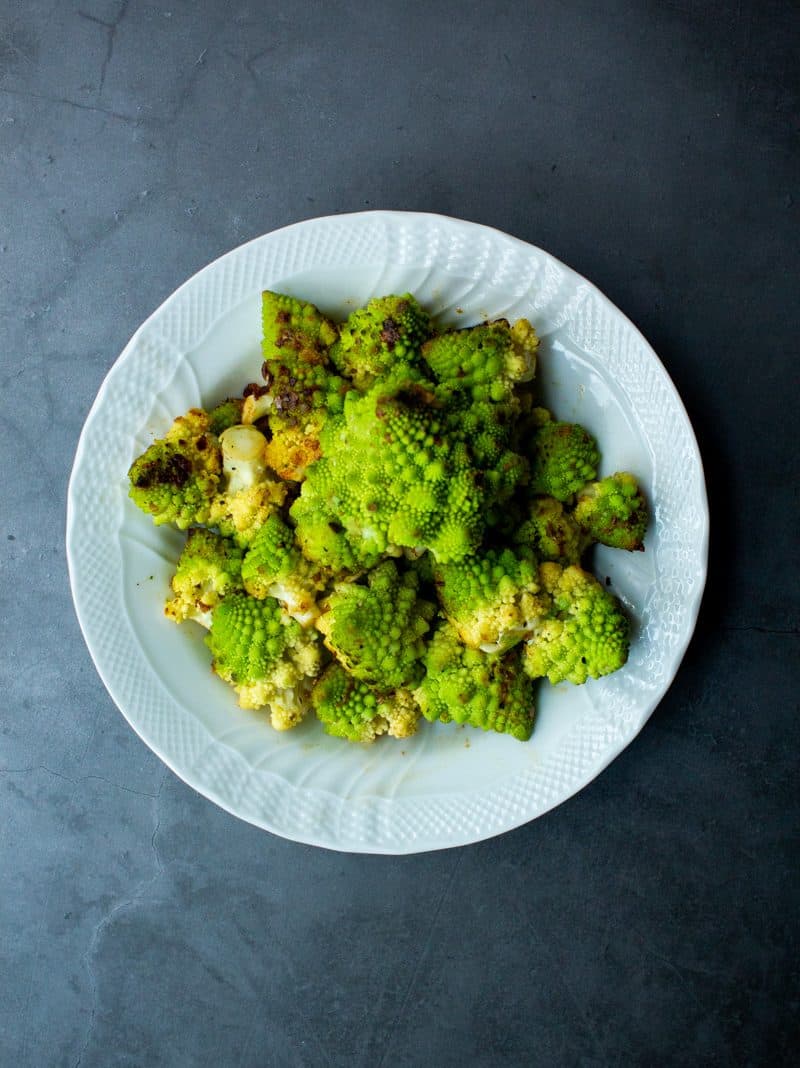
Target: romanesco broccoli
x=586 y=634
x=226 y=414
x=551 y=532
x=349 y=709
x=487 y=361
x=376 y=630
x=614 y=511
x=176 y=478
x=301 y=387
x=391 y=477
x=275 y=567
x=464 y=685
x=564 y=457
x=209 y=568
x=268 y=658
x=378 y=339
x=493 y=599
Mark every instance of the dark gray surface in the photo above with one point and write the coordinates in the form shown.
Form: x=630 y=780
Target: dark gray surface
x=650 y=920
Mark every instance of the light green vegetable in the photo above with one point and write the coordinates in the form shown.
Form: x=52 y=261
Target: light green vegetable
x=586 y=634
x=386 y=526
x=614 y=511
x=485 y=690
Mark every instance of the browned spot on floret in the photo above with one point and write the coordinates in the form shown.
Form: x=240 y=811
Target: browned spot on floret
x=266 y=374
x=391 y=333
x=202 y=443
x=415 y=396
x=287 y=401
x=253 y=389
x=175 y=470
x=283 y=316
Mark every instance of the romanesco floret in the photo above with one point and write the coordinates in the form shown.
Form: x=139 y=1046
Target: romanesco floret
x=292 y=448
x=487 y=361
x=268 y=658
x=251 y=492
x=564 y=457
x=226 y=414
x=321 y=536
x=208 y=569
x=464 y=685
x=551 y=532
x=391 y=477
x=477 y=370
x=486 y=428
x=176 y=478
x=275 y=567
x=376 y=629
x=493 y=599
x=614 y=511
x=297 y=372
x=375 y=340
x=349 y=709
x=301 y=387
x=376 y=469
x=586 y=634
x=294 y=325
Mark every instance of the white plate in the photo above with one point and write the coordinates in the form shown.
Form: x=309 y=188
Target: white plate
x=446 y=786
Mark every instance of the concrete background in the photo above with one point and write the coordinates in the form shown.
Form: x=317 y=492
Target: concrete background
x=649 y=920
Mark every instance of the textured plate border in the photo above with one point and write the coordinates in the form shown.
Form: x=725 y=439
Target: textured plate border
x=374 y=824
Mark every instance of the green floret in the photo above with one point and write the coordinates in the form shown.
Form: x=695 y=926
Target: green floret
x=614 y=511
x=564 y=457
x=275 y=567
x=478 y=370
x=551 y=532
x=301 y=386
x=487 y=361
x=226 y=414
x=391 y=477
x=294 y=325
x=493 y=600
x=374 y=340
x=321 y=536
x=250 y=493
x=294 y=446
x=176 y=478
x=268 y=658
x=486 y=428
x=587 y=633
x=464 y=685
x=376 y=630
x=208 y=569
x=349 y=709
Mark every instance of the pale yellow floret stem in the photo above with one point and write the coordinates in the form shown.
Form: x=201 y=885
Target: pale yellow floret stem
x=256 y=407
x=243 y=457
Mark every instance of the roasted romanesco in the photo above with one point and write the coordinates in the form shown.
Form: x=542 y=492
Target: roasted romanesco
x=385 y=526
x=613 y=511
x=483 y=690
x=376 y=629
x=350 y=709
x=209 y=568
x=584 y=636
x=268 y=658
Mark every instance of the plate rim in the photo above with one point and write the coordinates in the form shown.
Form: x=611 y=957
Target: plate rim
x=644 y=712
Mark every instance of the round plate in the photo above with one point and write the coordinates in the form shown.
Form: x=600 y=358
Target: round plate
x=447 y=786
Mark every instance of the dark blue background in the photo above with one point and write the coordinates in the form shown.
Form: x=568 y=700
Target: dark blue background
x=651 y=919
